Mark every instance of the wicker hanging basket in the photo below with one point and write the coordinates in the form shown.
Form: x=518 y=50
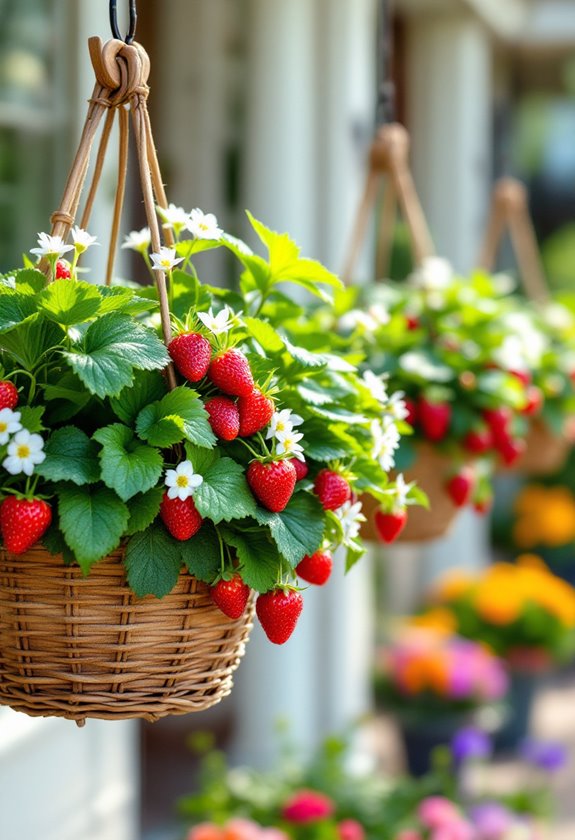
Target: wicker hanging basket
x=430 y=471
x=546 y=452
x=78 y=647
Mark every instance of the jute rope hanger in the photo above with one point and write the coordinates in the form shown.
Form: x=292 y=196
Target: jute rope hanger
x=122 y=72
x=389 y=161
x=510 y=211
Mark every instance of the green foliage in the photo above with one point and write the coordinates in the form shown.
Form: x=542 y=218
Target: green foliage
x=128 y=466
x=153 y=562
x=93 y=520
x=178 y=416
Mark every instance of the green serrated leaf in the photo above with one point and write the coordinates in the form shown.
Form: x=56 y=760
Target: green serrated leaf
x=339 y=415
x=144 y=507
x=201 y=554
x=148 y=387
x=128 y=466
x=202 y=459
x=69 y=303
x=153 y=562
x=14 y=308
x=53 y=540
x=258 y=556
x=265 y=335
x=30 y=281
x=93 y=520
x=355 y=552
x=29 y=341
x=31 y=417
x=224 y=493
x=297 y=530
x=180 y=415
x=70 y=456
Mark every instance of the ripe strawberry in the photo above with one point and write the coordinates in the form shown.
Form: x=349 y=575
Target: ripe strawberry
x=331 y=489
x=510 y=449
x=180 y=517
x=411 y=412
x=300 y=467
x=460 y=486
x=272 y=483
x=535 y=399
x=498 y=419
x=315 y=568
x=478 y=440
x=191 y=354
x=256 y=411
x=278 y=611
x=23 y=522
x=224 y=417
x=62 y=270
x=230 y=372
x=231 y=596
x=483 y=505
x=8 y=394
x=434 y=418
x=412 y=322
x=390 y=525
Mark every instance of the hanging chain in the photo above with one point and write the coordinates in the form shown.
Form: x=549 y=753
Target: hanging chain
x=131 y=34
x=386 y=88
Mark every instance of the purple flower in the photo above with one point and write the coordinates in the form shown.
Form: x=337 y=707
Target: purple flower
x=470 y=743
x=491 y=820
x=547 y=755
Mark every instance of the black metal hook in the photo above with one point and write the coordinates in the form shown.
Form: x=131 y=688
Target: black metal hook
x=386 y=87
x=131 y=34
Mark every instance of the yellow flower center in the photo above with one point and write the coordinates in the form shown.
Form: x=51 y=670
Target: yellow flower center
x=182 y=481
x=3 y=427
x=23 y=451
x=280 y=426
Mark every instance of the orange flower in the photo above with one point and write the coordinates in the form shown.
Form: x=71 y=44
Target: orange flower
x=545 y=515
x=439 y=619
x=498 y=598
x=453 y=585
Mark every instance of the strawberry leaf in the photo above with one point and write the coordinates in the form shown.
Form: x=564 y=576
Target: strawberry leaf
x=144 y=507
x=224 y=494
x=128 y=466
x=180 y=415
x=153 y=562
x=70 y=456
x=298 y=530
x=92 y=519
x=201 y=554
x=147 y=387
x=258 y=557
x=69 y=303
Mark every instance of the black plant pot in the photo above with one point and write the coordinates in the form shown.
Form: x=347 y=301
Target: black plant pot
x=520 y=700
x=422 y=738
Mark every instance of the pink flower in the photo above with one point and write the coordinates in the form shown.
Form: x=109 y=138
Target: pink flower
x=350 y=830
x=437 y=811
x=273 y=834
x=205 y=831
x=408 y=834
x=241 y=829
x=307 y=806
x=460 y=830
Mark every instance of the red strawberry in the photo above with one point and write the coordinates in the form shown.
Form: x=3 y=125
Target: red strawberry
x=511 y=449
x=191 y=354
x=411 y=322
x=231 y=596
x=272 y=483
x=434 y=418
x=62 y=270
x=230 y=372
x=23 y=522
x=498 y=419
x=256 y=411
x=300 y=467
x=478 y=440
x=390 y=525
x=483 y=505
x=8 y=394
x=224 y=417
x=331 y=489
x=278 y=612
x=524 y=376
x=180 y=517
x=315 y=568
x=460 y=486
x=411 y=412
x=534 y=401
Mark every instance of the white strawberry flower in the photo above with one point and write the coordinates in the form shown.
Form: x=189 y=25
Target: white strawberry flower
x=82 y=239
x=24 y=452
x=166 y=260
x=183 y=481
x=138 y=240
x=288 y=444
x=51 y=246
x=385 y=441
x=376 y=385
x=282 y=422
x=401 y=490
x=396 y=406
x=220 y=323
x=9 y=424
x=173 y=217
x=350 y=517
x=357 y=318
x=433 y=275
x=204 y=225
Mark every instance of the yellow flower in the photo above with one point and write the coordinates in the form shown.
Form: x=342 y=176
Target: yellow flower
x=545 y=516
x=439 y=619
x=453 y=585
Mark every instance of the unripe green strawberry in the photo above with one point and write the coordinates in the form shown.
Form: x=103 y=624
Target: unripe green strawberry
x=8 y=394
x=181 y=518
x=256 y=410
x=23 y=522
x=230 y=372
x=315 y=568
x=191 y=354
x=231 y=596
x=278 y=612
x=272 y=483
x=332 y=489
x=224 y=417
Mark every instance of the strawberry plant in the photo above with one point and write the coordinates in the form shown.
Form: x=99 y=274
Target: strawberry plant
x=250 y=464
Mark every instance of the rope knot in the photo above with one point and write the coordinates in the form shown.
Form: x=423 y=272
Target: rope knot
x=122 y=70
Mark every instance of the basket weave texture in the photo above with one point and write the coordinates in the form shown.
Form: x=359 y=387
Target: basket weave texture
x=546 y=452
x=430 y=470
x=77 y=647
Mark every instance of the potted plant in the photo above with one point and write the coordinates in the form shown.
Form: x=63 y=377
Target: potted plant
x=434 y=683
x=524 y=613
